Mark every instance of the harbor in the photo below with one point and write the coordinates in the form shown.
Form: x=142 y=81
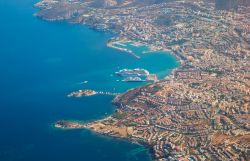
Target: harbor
x=121 y=47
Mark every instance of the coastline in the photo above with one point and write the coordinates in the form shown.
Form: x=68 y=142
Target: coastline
x=111 y=41
x=84 y=126
x=114 y=40
x=151 y=50
x=164 y=107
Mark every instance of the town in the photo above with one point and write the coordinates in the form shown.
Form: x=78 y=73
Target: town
x=201 y=111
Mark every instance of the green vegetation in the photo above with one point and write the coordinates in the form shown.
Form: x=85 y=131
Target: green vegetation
x=119 y=115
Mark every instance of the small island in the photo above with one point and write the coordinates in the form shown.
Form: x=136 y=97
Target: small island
x=68 y=125
x=200 y=111
x=89 y=92
x=81 y=93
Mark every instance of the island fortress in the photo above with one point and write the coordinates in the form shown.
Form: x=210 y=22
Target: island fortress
x=201 y=111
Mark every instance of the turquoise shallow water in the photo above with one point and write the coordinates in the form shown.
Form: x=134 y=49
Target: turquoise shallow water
x=40 y=63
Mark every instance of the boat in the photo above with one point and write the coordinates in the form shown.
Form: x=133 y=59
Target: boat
x=84 y=82
x=133 y=72
x=133 y=79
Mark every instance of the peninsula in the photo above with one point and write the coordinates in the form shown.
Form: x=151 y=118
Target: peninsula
x=201 y=111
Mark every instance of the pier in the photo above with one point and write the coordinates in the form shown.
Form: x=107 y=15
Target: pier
x=110 y=44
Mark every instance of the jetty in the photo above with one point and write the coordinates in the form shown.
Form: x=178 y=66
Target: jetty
x=111 y=45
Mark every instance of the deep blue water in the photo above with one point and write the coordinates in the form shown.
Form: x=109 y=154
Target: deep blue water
x=40 y=63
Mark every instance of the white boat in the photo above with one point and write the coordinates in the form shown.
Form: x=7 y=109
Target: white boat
x=84 y=82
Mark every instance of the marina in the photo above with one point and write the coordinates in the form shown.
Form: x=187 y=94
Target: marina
x=122 y=47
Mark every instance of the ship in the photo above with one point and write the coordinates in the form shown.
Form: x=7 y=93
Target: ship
x=137 y=72
x=133 y=79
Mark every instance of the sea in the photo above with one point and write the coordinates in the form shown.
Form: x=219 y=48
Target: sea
x=40 y=63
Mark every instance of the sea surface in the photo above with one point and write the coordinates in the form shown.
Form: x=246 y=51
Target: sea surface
x=40 y=63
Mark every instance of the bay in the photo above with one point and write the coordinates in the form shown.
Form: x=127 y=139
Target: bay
x=40 y=63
